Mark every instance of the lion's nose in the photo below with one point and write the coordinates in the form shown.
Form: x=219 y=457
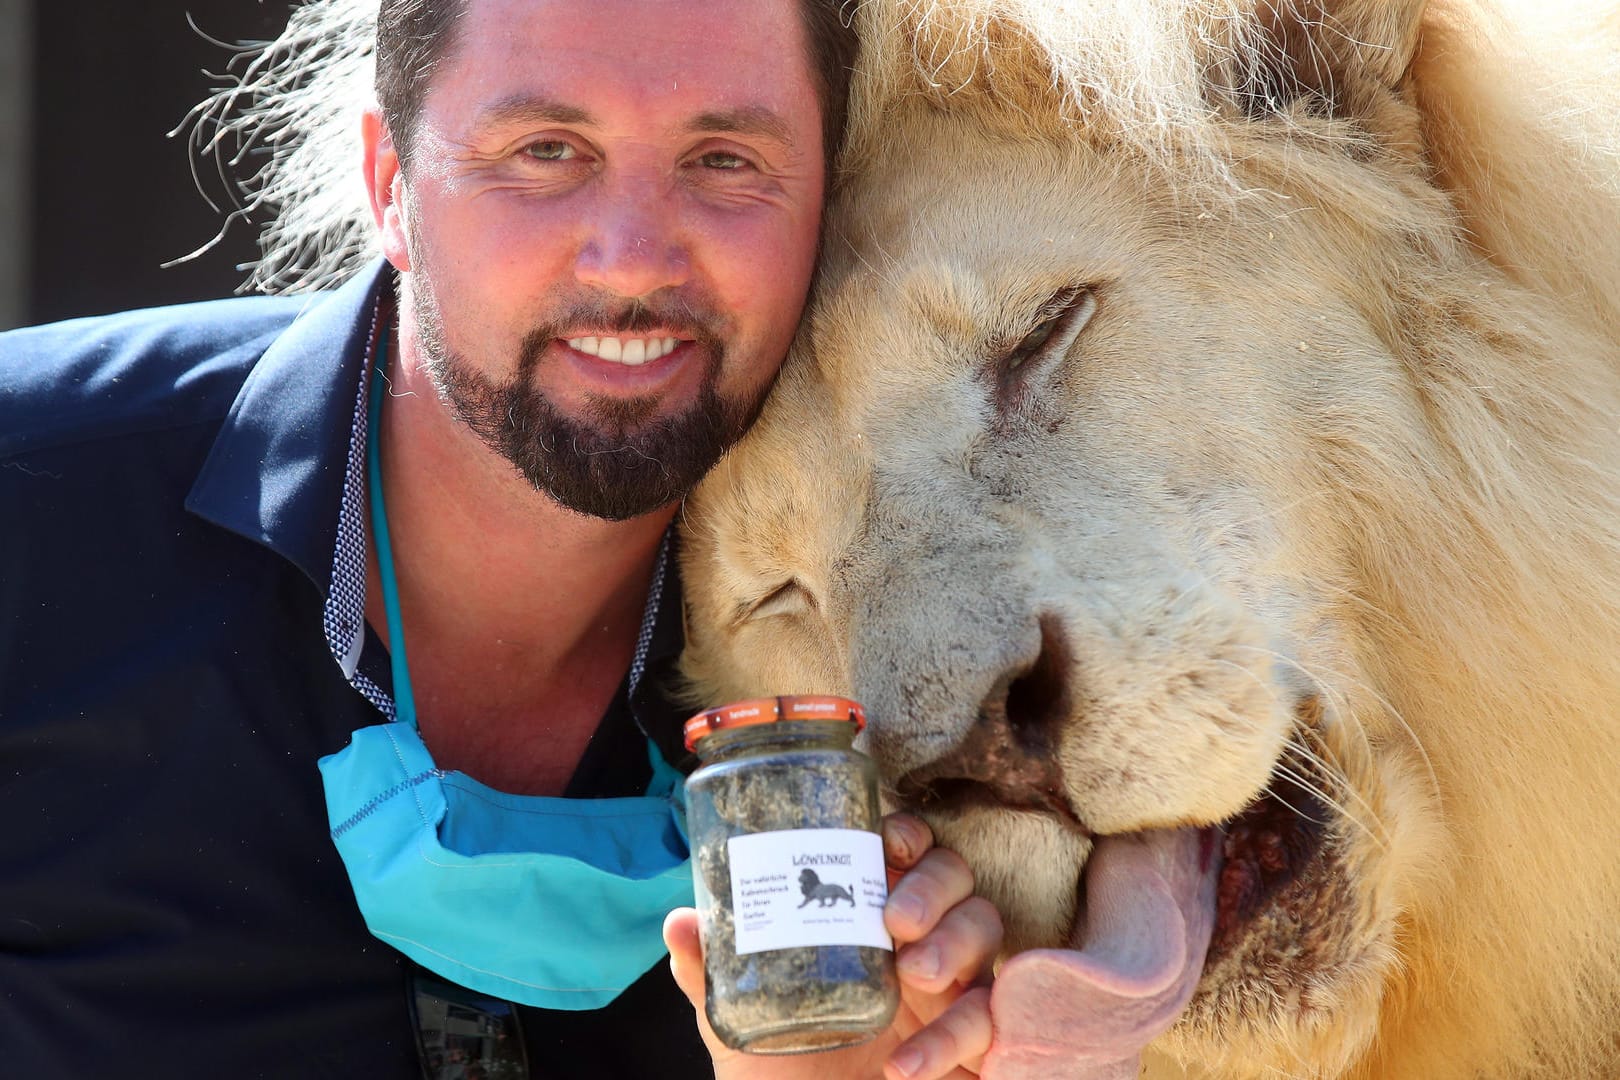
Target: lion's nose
x=1033 y=702
x=1009 y=755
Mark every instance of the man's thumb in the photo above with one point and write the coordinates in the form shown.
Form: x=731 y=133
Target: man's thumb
x=685 y=954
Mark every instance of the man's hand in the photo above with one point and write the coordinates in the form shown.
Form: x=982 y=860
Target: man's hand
x=947 y=939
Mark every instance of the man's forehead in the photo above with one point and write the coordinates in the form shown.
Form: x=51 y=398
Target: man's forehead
x=706 y=36
x=722 y=65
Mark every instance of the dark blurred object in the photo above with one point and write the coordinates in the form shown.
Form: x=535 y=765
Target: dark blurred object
x=114 y=198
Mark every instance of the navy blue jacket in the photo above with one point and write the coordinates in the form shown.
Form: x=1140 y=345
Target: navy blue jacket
x=170 y=901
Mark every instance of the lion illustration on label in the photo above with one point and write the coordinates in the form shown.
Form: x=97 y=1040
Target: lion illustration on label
x=825 y=894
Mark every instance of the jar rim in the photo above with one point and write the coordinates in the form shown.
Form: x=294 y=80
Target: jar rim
x=770 y=710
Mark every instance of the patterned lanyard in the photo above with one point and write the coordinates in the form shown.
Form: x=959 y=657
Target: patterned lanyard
x=404 y=700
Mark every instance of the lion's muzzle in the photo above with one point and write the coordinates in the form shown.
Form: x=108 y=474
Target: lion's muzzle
x=1008 y=757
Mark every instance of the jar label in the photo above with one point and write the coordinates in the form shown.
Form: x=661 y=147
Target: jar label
x=802 y=887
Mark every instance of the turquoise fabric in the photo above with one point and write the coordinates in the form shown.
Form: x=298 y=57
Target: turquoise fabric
x=551 y=902
x=557 y=903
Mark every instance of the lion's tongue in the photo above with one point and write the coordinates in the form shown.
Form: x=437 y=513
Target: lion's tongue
x=1087 y=1014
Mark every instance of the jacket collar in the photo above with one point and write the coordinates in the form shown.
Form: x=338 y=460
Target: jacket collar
x=276 y=472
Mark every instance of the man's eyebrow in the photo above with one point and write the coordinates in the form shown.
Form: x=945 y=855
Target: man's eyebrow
x=528 y=109
x=748 y=120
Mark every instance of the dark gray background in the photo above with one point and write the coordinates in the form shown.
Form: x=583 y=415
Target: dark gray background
x=94 y=197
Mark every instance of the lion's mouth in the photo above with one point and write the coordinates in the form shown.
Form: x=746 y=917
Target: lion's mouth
x=959 y=793
x=1157 y=909
x=1265 y=847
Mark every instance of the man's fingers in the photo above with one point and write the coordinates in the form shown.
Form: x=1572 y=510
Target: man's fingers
x=939 y=881
x=957 y=952
x=956 y=1041
x=906 y=838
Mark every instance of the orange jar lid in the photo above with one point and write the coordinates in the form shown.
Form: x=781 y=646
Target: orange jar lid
x=769 y=710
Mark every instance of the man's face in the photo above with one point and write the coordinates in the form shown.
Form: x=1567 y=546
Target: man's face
x=609 y=222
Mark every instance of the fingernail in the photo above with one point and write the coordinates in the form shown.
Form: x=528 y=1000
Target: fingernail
x=908 y=907
x=907 y=1060
x=921 y=961
x=898 y=841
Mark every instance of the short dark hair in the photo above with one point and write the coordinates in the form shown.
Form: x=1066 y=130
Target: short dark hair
x=413 y=36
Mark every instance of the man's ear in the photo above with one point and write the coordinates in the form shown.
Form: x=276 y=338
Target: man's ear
x=385 y=187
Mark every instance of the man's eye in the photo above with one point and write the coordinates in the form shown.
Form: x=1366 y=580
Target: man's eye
x=719 y=159
x=550 y=150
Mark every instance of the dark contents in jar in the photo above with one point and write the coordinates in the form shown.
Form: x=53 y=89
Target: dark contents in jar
x=793 y=999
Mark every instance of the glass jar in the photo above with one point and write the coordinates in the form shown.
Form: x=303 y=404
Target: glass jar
x=789 y=873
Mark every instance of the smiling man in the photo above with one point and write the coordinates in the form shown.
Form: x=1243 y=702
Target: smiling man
x=603 y=267
x=556 y=213
x=263 y=836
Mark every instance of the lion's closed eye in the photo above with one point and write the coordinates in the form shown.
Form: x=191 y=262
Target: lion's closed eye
x=1016 y=377
x=789 y=598
x=1060 y=320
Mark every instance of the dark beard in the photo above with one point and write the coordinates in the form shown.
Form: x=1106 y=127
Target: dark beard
x=617 y=462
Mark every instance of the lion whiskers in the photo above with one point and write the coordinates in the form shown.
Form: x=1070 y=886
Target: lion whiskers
x=1331 y=771
x=1373 y=830
x=1349 y=716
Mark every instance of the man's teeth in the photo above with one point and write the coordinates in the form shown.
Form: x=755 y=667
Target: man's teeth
x=629 y=351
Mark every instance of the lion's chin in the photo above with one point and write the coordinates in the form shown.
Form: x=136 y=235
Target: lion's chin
x=1027 y=863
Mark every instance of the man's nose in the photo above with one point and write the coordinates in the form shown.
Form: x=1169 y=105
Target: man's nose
x=634 y=246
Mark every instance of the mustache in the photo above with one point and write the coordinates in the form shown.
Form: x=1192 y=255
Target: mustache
x=681 y=315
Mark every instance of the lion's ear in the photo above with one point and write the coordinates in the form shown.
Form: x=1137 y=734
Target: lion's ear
x=1338 y=58
x=959 y=56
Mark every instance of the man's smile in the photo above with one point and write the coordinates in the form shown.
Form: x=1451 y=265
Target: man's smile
x=630 y=351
